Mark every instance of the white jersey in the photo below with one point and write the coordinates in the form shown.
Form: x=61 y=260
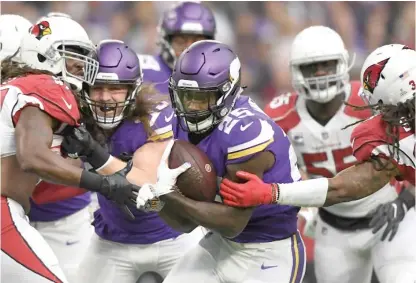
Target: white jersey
x=324 y=151
x=12 y=101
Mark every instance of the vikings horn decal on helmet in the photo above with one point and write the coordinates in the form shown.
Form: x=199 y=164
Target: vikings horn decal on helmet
x=204 y=85
x=118 y=65
x=184 y=18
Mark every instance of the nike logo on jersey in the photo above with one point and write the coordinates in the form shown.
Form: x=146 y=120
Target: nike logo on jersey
x=167 y=119
x=70 y=243
x=67 y=104
x=243 y=128
x=264 y=267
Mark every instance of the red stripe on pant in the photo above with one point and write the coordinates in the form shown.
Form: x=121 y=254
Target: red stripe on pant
x=15 y=246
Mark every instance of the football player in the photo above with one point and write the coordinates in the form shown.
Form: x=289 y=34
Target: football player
x=243 y=245
x=180 y=26
x=117 y=113
x=313 y=118
x=65 y=224
x=384 y=146
x=37 y=106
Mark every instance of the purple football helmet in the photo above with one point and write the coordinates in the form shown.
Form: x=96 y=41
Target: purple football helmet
x=118 y=65
x=184 y=18
x=204 y=85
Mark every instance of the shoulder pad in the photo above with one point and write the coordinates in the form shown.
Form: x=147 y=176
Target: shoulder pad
x=161 y=122
x=367 y=136
x=245 y=134
x=148 y=62
x=282 y=109
x=48 y=93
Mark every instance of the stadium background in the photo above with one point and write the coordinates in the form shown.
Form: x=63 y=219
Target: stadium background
x=260 y=32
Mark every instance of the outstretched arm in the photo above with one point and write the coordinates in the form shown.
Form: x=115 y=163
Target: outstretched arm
x=34 y=135
x=359 y=181
x=352 y=183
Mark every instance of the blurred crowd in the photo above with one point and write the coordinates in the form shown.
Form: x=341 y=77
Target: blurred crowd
x=260 y=32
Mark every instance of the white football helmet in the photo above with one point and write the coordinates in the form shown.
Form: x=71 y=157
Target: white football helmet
x=55 y=42
x=12 y=28
x=319 y=44
x=54 y=14
x=389 y=75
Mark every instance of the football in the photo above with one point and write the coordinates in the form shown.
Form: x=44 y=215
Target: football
x=200 y=181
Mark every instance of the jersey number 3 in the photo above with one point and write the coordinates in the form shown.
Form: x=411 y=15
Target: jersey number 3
x=338 y=156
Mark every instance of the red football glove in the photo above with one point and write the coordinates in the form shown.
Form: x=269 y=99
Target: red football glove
x=252 y=193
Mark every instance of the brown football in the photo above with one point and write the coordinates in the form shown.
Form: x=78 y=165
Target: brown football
x=200 y=181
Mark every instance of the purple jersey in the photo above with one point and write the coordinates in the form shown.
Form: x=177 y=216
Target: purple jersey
x=243 y=133
x=155 y=71
x=109 y=221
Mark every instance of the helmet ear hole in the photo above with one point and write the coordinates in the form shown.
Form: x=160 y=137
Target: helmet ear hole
x=41 y=58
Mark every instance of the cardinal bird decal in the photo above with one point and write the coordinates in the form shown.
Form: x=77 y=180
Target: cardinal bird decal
x=41 y=29
x=372 y=75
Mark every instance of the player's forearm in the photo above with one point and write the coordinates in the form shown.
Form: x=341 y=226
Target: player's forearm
x=225 y=220
x=177 y=222
x=353 y=183
x=356 y=182
x=50 y=167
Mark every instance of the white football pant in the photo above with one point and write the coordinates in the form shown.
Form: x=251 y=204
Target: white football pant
x=69 y=238
x=109 y=262
x=218 y=260
x=349 y=257
x=25 y=255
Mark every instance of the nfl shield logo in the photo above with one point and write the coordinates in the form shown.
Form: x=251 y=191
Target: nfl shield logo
x=324 y=135
x=297 y=139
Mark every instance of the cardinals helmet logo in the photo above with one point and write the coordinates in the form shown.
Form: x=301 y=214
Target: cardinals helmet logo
x=372 y=75
x=41 y=29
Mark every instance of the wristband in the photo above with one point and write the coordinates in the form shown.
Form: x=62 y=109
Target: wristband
x=91 y=182
x=407 y=198
x=98 y=157
x=307 y=193
x=275 y=193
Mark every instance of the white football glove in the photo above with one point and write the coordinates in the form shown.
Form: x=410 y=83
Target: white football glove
x=166 y=177
x=148 y=196
x=146 y=199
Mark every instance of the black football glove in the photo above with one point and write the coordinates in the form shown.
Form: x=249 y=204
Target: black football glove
x=114 y=187
x=391 y=213
x=78 y=143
